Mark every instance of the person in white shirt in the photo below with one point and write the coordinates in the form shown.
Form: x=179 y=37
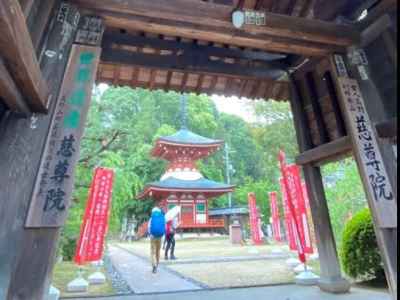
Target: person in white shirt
x=171 y=227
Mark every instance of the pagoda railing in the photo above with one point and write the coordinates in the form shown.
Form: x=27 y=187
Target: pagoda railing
x=211 y=223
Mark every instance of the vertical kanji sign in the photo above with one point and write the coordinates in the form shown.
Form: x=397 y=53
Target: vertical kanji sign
x=369 y=160
x=254 y=220
x=276 y=224
x=95 y=221
x=54 y=182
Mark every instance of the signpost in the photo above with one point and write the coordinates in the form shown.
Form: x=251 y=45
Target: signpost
x=369 y=159
x=53 y=187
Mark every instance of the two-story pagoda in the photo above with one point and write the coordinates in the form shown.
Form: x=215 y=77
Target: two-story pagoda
x=182 y=183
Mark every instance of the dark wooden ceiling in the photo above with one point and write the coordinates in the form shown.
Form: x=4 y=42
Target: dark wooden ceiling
x=145 y=44
x=185 y=45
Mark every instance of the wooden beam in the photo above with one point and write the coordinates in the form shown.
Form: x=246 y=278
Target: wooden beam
x=19 y=55
x=250 y=4
x=326 y=153
x=372 y=32
x=42 y=20
x=329 y=10
x=9 y=92
x=196 y=64
x=387 y=129
x=115 y=37
x=284 y=7
x=26 y=6
x=330 y=85
x=384 y=6
x=25 y=273
x=307 y=10
x=391 y=47
x=331 y=279
x=316 y=107
x=212 y=22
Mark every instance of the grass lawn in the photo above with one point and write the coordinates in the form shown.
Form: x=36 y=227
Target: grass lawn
x=64 y=272
x=236 y=274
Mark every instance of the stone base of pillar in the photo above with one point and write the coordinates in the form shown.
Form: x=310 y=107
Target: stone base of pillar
x=97 y=278
x=78 y=285
x=54 y=293
x=306 y=278
x=337 y=285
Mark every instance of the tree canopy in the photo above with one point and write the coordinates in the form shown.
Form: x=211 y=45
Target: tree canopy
x=123 y=124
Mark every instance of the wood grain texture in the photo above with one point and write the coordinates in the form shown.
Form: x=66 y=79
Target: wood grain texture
x=386 y=238
x=9 y=91
x=326 y=153
x=19 y=54
x=38 y=217
x=330 y=267
x=26 y=256
x=41 y=22
x=26 y=6
x=206 y=82
x=212 y=22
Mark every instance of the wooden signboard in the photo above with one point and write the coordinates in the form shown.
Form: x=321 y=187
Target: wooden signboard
x=368 y=155
x=54 y=181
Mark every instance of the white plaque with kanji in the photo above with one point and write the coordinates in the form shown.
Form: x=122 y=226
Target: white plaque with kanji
x=370 y=160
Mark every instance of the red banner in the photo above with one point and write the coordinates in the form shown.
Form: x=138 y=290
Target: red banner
x=289 y=185
x=289 y=224
x=254 y=220
x=276 y=224
x=95 y=221
x=295 y=184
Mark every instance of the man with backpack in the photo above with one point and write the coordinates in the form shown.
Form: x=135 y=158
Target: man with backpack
x=156 y=232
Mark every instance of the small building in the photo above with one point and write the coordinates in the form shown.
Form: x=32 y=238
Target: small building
x=229 y=214
x=182 y=184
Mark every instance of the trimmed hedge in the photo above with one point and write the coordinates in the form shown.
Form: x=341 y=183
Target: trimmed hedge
x=359 y=253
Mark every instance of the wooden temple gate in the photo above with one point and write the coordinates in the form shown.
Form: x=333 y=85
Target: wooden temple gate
x=318 y=55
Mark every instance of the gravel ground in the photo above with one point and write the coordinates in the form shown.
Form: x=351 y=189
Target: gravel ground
x=118 y=283
x=216 y=263
x=206 y=248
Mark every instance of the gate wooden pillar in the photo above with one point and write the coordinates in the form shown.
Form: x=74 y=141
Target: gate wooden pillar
x=331 y=279
x=384 y=210
x=27 y=248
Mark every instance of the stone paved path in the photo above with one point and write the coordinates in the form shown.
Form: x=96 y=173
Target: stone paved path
x=137 y=273
x=283 y=292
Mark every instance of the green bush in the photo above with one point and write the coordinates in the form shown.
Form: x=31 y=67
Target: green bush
x=359 y=252
x=68 y=248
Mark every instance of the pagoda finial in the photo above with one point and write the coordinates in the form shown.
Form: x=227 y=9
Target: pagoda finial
x=183 y=111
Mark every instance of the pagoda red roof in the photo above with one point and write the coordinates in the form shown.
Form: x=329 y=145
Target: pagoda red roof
x=171 y=185
x=185 y=142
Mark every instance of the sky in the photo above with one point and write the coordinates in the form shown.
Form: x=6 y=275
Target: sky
x=240 y=107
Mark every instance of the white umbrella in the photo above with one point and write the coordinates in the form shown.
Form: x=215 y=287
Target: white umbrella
x=172 y=213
